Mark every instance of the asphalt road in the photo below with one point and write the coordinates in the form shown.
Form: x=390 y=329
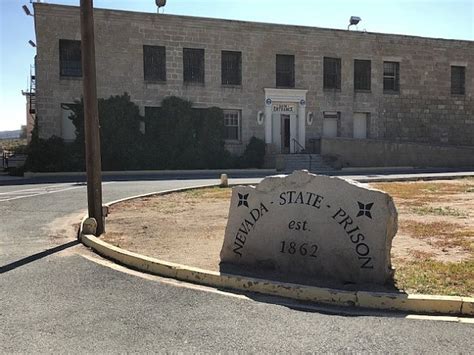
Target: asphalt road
x=56 y=296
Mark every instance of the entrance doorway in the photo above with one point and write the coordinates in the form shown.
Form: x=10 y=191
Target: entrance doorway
x=285 y=134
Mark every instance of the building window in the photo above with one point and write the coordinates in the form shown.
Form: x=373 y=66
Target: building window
x=231 y=69
x=391 y=76
x=285 y=71
x=232 y=125
x=68 y=130
x=332 y=73
x=458 y=80
x=154 y=63
x=70 y=58
x=193 y=65
x=331 y=124
x=362 y=75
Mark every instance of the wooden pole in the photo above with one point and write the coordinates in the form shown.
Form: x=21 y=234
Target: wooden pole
x=91 y=117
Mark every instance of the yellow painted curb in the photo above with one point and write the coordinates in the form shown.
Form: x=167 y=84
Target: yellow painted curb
x=412 y=303
x=467 y=308
x=422 y=304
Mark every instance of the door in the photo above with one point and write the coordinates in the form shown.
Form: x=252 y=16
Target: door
x=360 y=125
x=330 y=126
x=285 y=134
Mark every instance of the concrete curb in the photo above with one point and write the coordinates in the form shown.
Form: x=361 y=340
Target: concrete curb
x=417 y=303
x=217 y=172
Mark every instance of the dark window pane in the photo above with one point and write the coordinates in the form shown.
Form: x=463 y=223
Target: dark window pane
x=193 y=65
x=391 y=76
x=231 y=68
x=458 y=77
x=362 y=75
x=285 y=71
x=70 y=58
x=154 y=63
x=332 y=73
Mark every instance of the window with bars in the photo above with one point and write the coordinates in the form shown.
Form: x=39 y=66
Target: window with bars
x=285 y=71
x=458 y=80
x=332 y=73
x=193 y=65
x=391 y=76
x=154 y=63
x=362 y=75
x=232 y=125
x=231 y=68
x=70 y=58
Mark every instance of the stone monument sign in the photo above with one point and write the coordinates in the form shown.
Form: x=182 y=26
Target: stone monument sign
x=312 y=226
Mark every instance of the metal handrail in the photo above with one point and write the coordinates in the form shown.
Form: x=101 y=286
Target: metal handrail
x=296 y=143
x=303 y=151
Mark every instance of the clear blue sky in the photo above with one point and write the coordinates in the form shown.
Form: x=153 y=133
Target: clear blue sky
x=430 y=18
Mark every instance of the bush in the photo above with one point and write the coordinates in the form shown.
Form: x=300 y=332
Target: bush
x=119 y=131
x=177 y=136
x=52 y=154
x=254 y=154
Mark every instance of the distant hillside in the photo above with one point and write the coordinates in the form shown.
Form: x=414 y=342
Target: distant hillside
x=10 y=134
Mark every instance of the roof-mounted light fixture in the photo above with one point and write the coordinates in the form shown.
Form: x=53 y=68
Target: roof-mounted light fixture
x=33 y=44
x=354 y=20
x=27 y=10
x=160 y=4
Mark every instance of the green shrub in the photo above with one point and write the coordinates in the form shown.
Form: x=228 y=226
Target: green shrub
x=177 y=136
x=119 y=131
x=254 y=154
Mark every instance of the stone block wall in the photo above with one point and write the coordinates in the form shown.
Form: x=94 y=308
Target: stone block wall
x=423 y=111
x=370 y=152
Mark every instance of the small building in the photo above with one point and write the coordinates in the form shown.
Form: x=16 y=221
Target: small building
x=291 y=86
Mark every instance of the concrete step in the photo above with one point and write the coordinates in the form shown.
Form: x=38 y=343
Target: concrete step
x=313 y=162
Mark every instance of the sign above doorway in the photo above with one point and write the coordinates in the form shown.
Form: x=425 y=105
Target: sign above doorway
x=285 y=108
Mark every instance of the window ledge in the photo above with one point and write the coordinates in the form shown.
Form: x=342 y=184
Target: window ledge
x=360 y=91
x=64 y=77
x=153 y=82
x=458 y=95
x=331 y=90
x=193 y=83
x=391 y=92
x=232 y=86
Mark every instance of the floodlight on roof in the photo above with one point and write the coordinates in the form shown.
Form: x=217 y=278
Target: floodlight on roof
x=33 y=44
x=354 y=20
x=26 y=10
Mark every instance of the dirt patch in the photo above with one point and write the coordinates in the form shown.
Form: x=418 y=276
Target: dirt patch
x=435 y=218
x=436 y=231
x=186 y=228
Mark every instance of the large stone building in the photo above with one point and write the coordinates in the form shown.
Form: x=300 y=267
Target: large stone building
x=289 y=85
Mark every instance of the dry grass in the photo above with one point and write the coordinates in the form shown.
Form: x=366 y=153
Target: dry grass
x=209 y=193
x=441 y=234
x=432 y=277
x=422 y=193
x=439 y=211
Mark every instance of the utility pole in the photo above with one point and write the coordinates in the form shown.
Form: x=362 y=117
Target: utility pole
x=91 y=117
